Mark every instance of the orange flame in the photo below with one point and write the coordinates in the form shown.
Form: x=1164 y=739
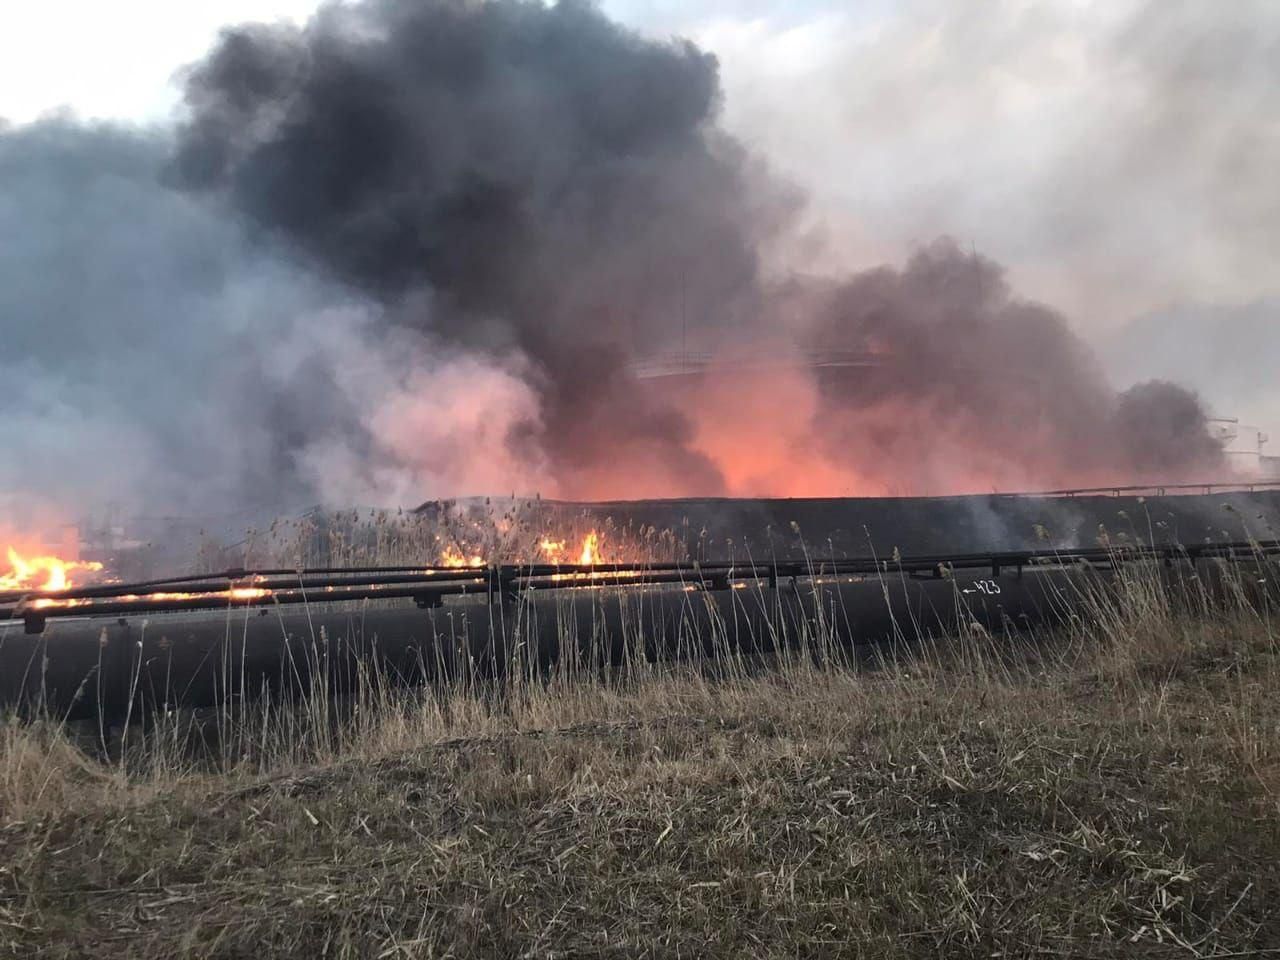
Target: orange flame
x=234 y=593
x=42 y=573
x=554 y=550
x=453 y=557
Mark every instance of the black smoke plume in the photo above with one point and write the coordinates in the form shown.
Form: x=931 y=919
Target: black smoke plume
x=979 y=383
x=505 y=175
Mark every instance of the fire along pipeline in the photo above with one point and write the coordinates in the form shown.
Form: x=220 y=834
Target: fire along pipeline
x=117 y=650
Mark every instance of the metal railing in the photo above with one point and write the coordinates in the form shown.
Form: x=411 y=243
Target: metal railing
x=694 y=362
x=428 y=586
x=1157 y=489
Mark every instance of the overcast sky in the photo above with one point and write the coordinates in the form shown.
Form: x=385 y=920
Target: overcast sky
x=1118 y=156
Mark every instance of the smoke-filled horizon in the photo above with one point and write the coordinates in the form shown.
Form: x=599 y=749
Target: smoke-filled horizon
x=409 y=251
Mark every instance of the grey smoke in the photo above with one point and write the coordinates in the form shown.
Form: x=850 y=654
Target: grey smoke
x=1227 y=352
x=131 y=318
x=407 y=250
x=1005 y=383
x=157 y=359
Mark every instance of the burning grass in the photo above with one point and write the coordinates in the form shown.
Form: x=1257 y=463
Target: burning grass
x=454 y=533
x=43 y=572
x=1109 y=790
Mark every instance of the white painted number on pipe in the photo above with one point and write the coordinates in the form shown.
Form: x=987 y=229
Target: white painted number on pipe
x=989 y=587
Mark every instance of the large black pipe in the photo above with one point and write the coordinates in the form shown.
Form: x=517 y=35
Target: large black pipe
x=429 y=587
x=111 y=667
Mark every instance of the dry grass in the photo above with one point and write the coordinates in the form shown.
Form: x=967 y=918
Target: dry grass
x=499 y=530
x=1111 y=790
